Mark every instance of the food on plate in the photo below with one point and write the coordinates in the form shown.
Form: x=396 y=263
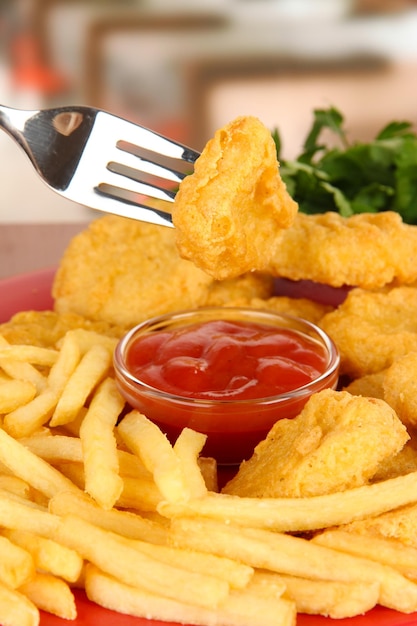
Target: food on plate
x=234 y=215
x=230 y=212
x=366 y=250
x=337 y=442
x=94 y=495
x=373 y=328
x=400 y=388
x=332 y=598
x=371 y=385
x=224 y=359
x=299 y=307
x=387 y=551
x=296 y=556
x=121 y=272
x=398 y=525
x=45 y=328
x=110 y=505
x=227 y=372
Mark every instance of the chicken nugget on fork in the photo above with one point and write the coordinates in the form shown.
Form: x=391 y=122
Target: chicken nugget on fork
x=231 y=211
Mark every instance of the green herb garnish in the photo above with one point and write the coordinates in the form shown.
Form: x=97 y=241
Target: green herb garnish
x=353 y=177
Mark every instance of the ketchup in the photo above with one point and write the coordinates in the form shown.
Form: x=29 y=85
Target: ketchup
x=229 y=373
x=226 y=359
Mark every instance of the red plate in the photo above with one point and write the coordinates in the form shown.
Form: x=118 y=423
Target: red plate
x=33 y=292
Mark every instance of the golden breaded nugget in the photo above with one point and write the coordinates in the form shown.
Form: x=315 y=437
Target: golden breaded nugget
x=299 y=307
x=402 y=463
x=373 y=329
x=400 y=388
x=367 y=250
x=370 y=386
x=235 y=291
x=230 y=212
x=337 y=442
x=46 y=328
x=400 y=524
x=122 y=271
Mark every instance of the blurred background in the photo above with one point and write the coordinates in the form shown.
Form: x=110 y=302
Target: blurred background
x=185 y=68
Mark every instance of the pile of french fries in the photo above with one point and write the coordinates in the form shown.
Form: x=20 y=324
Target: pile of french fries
x=93 y=496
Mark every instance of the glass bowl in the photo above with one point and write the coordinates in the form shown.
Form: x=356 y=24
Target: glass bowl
x=233 y=425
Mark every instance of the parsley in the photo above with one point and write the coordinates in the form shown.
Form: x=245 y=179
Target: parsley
x=353 y=177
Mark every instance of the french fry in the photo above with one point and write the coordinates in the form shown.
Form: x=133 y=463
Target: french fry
x=15 y=485
x=127 y=524
x=30 y=417
x=62 y=448
x=14 y=393
x=16 y=564
x=238 y=609
x=295 y=556
x=101 y=464
x=301 y=514
x=54 y=448
x=48 y=555
x=331 y=598
x=114 y=555
x=16 y=609
x=29 y=354
x=51 y=594
x=91 y=369
x=140 y=493
x=188 y=447
x=236 y=574
x=208 y=468
x=20 y=370
x=86 y=339
x=26 y=515
x=30 y=468
x=383 y=550
x=146 y=440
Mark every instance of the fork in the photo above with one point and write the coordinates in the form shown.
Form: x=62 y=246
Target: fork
x=101 y=160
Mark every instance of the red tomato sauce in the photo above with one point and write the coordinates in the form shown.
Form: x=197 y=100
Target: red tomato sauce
x=223 y=359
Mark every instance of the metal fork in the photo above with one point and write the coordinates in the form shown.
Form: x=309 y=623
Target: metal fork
x=94 y=158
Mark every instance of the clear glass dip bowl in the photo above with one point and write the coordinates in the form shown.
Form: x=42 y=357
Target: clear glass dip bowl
x=233 y=426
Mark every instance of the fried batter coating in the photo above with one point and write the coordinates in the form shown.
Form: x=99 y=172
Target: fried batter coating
x=46 y=328
x=400 y=388
x=373 y=329
x=236 y=291
x=399 y=524
x=337 y=442
x=231 y=211
x=367 y=250
x=371 y=386
x=122 y=271
x=299 y=307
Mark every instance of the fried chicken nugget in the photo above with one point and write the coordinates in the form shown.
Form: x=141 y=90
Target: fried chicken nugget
x=367 y=250
x=400 y=388
x=337 y=442
x=299 y=307
x=399 y=524
x=373 y=329
x=46 y=328
x=122 y=271
x=231 y=211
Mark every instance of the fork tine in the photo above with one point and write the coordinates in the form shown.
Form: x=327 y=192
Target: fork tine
x=147 y=166
x=118 y=179
x=112 y=201
x=141 y=136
